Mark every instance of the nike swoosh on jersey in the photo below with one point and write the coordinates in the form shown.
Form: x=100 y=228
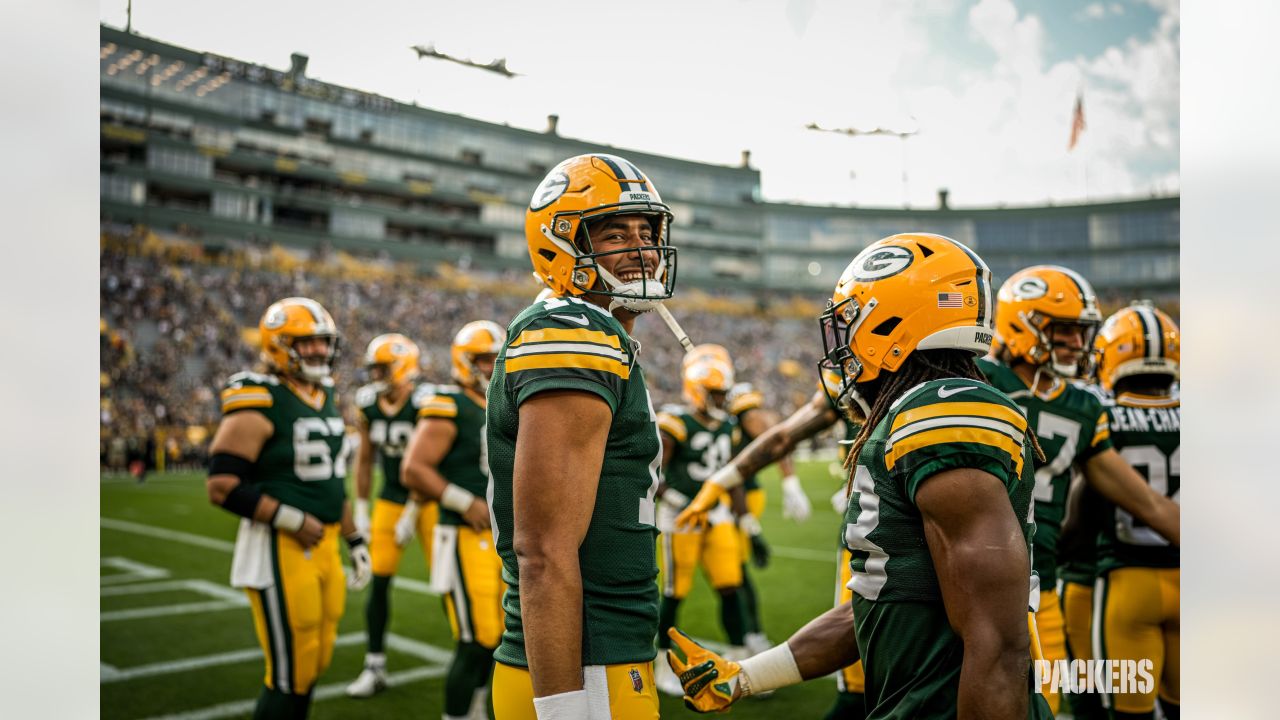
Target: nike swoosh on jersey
x=945 y=392
x=580 y=319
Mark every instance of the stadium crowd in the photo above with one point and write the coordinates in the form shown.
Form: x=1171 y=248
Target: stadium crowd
x=177 y=320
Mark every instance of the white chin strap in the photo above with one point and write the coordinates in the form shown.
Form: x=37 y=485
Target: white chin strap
x=856 y=397
x=640 y=295
x=1066 y=371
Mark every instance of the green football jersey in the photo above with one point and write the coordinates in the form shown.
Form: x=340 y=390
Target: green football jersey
x=465 y=465
x=701 y=448
x=567 y=344
x=1071 y=426
x=911 y=655
x=742 y=399
x=1146 y=432
x=304 y=462
x=390 y=432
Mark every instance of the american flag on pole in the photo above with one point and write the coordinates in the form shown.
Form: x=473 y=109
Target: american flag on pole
x=950 y=299
x=1077 y=122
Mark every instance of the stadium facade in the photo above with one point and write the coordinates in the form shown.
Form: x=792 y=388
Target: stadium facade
x=228 y=151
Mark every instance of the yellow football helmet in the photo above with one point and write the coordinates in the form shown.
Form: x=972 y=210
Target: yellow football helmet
x=582 y=189
x=1031 y=302
x=475 y=338
x=1138 y=340
x=707 y=369
x=285 y=322
x=390 y=360
x=907 y=292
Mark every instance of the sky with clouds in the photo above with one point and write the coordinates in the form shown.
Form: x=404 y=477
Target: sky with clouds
x=988 y=84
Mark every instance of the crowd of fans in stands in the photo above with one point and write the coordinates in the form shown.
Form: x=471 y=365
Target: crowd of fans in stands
x=174 y=326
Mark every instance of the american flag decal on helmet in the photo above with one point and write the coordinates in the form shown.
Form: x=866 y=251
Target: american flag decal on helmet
x=950 y=299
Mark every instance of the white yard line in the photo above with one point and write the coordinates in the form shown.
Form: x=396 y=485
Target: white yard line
x=130 y=571
x=166 y=534
x=204 y=661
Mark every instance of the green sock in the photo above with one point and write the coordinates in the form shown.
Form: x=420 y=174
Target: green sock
x=733 y=615
x=750 y=603
x=301 y=706
x=848 y=706
x=470 y=669
x=377 y=612
x=666 y=619
x=274 y=705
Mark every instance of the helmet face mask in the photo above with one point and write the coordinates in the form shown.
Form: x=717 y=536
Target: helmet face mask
x=1139 y=342
x=480 y=338
x=584 y=190
x=293 y=321
x=838 y=322
x=708 y=376
x=391 y=360
x=1043 y=302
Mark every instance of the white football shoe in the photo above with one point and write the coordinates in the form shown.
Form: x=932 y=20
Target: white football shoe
x=372 y=680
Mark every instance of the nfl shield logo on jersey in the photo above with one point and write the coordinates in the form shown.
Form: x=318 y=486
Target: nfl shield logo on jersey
x=636 y=681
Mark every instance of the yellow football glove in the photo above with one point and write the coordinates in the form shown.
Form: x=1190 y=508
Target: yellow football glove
x=694 y=515
x=710 y=682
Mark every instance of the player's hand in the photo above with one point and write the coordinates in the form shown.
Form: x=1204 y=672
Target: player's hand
x=795 y=504
x=361 y=562
x=477 y=516
x=360 y=516
x=311 y=532
x=710 y=682
x=694 y=515
x=407 y=525
x=840 y=500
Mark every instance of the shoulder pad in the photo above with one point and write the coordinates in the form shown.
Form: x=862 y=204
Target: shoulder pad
x=248 y=377
x=673 y=425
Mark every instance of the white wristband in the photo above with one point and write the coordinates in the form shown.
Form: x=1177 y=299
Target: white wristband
x=675 y=498
x=726 y=477
x=772 y=669
x=791 y=481
x=456 y=498
x=288 y=518
x=750 y=523
x=362 y=507
x=564 y=706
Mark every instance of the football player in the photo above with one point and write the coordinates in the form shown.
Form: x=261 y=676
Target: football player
x=698 y=439
x=277 y=460
x=445 y=461
x=574 y=452
x=939 y=518
x=386 y=410
x=1136 y=599
x=1046 y=318
x=746 y=404
x=771 y=446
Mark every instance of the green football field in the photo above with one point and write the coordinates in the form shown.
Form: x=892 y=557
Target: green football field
x=178 y=641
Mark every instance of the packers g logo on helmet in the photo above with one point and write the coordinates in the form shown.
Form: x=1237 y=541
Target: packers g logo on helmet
x=1035 y=299
x=481 y=337
x=391 y=359
x=906 y=292
x=283 y=324
x=586 y=188
x=1138 y=340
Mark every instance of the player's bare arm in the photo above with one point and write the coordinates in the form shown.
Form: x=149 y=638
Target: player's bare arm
x=776 y=442
x=983 y=569
x=243 y=434
x=432 y=440
x=1118 y=482
x=364 y=460
x=558 y=457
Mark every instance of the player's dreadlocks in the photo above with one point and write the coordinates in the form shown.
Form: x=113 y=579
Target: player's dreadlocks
x=919 y=367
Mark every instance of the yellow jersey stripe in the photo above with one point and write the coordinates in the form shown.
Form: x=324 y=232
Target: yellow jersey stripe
x=947 y=435
x=567 y=335
x=672 y=426
x=1102 y=433
x=437 y=411
x=241 y=403
x=750 y=401
x=250 y=391
x=443 y=400
x=574 y=361
x=971 y=409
